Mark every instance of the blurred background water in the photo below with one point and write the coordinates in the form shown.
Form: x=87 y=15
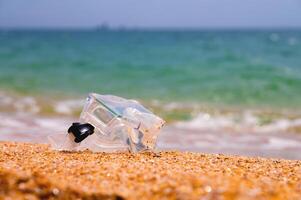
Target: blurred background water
x=248 y=68
x=220 y=91
x=212 y=68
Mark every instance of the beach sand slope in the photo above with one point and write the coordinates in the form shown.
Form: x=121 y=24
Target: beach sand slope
x=34 y=171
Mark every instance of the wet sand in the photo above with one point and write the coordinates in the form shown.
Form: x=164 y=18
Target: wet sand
x=35 y=171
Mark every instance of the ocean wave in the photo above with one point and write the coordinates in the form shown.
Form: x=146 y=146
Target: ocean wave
x=23 y=104
x=68 y=107
x=242 y=122
x=204 y=133
x=31 y=128
x=18 y=104
x=229 y=134
x=191 y=115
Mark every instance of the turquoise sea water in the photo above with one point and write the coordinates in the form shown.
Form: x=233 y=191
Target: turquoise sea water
x=245 y=68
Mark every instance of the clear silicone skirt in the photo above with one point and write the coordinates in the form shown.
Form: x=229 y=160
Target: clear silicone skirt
x=117 y=124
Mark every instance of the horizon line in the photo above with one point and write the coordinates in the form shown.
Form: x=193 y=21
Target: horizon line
x=124 y=28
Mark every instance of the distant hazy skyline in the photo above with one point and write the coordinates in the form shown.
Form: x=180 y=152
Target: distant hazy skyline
x=150 y=14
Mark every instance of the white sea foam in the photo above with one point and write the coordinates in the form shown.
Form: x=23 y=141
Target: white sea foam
x=281 y=125
x=247 y=122
x=31 y=128
x=243 y=135
x=239 y=132
x=68 y=106
x=5 y=100
x=19 y=104
x=281 y=143
x=33 y=105
x=204 y=121
x=179 y=106
x=217 y=136
x=26 y=104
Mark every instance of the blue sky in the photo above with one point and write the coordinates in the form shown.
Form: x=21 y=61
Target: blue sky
x=151 y=13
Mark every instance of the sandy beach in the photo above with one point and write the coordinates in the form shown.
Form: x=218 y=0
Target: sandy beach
x=199 y=103
x=34 y=171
